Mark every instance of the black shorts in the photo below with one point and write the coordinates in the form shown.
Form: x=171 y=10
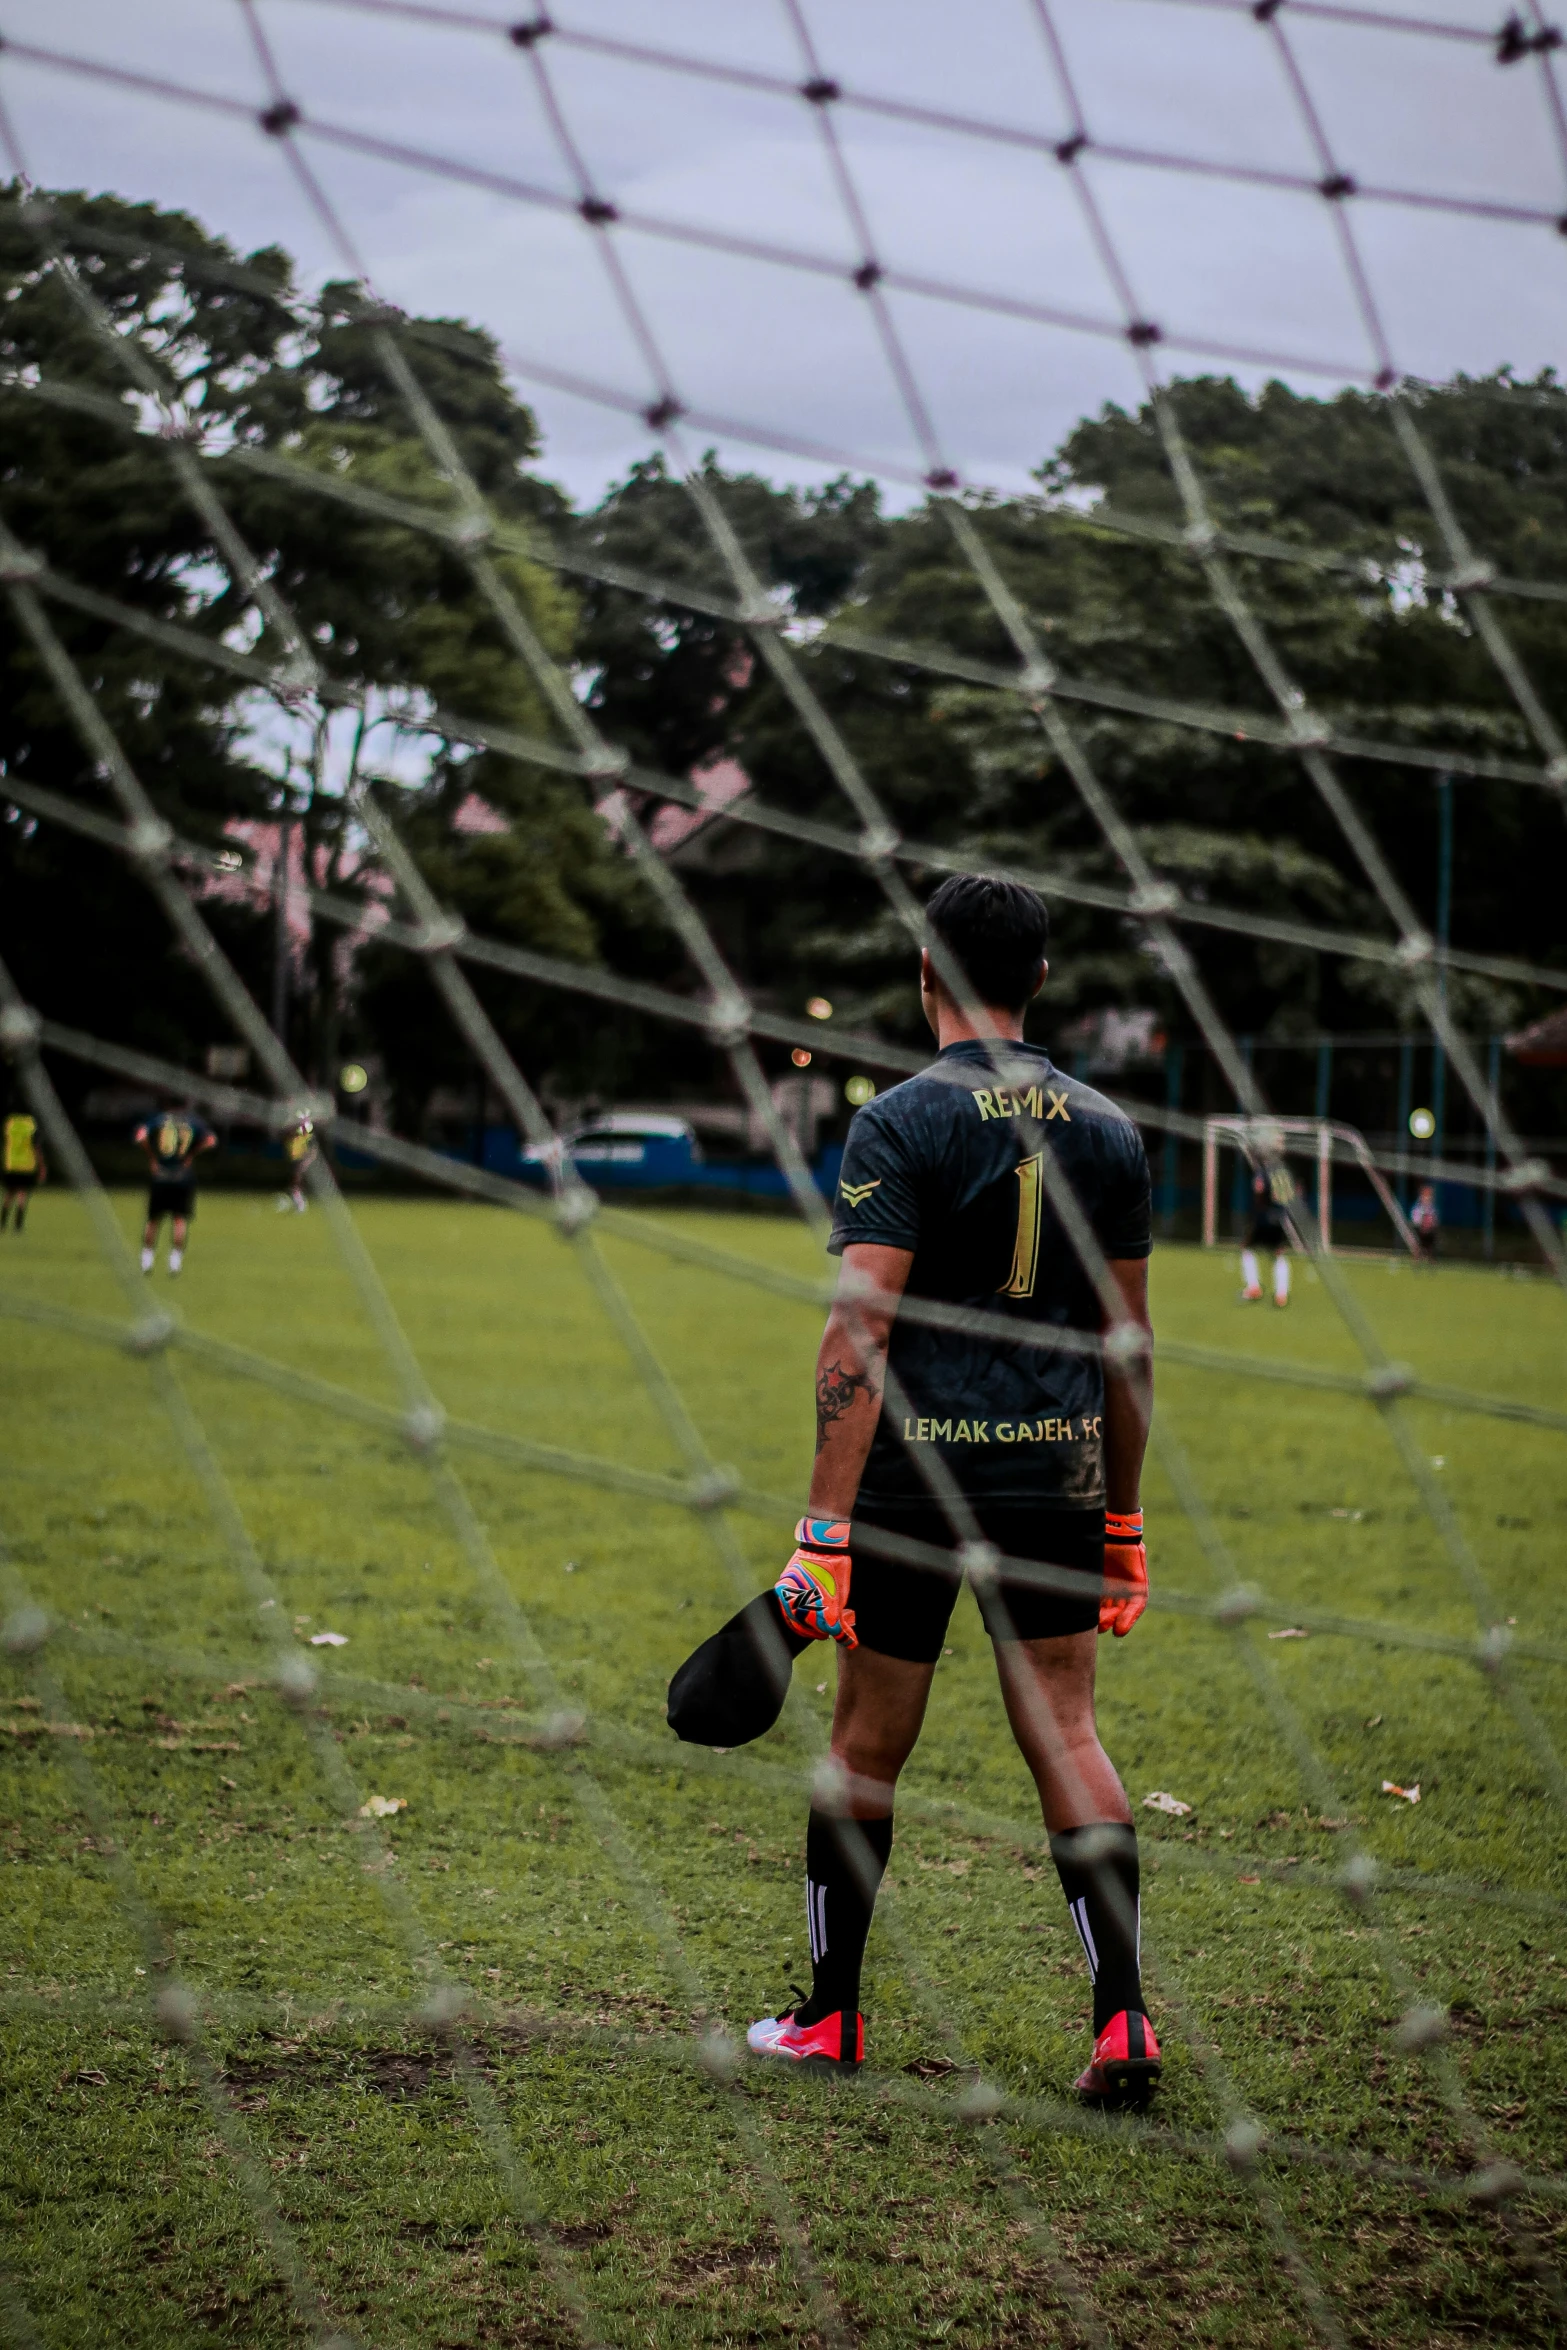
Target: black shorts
x=1267 y=1232
x=903 y=1609
x=171 y=1198
x=20 y=1178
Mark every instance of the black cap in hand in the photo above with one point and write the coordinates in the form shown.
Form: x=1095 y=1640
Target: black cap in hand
x=732 y=1688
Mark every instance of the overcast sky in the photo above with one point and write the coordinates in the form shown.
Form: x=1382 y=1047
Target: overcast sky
x=792 y=354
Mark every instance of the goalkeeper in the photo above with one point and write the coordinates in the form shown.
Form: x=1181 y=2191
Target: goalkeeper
x=929 y=1429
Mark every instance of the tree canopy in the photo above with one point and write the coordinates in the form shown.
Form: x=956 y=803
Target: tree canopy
x=287 y=405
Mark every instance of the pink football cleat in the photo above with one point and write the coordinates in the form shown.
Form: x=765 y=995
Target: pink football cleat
x=1125 y=2063
x=838 y=2039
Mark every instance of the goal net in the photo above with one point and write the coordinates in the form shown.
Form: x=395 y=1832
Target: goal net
x=819 y=818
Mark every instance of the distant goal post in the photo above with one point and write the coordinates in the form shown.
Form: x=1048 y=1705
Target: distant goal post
x=1315 y=1138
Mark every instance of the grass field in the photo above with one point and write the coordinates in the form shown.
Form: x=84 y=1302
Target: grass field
x=665 y=2198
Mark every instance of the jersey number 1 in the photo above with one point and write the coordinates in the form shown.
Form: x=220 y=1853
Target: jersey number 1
x=1025 y=1252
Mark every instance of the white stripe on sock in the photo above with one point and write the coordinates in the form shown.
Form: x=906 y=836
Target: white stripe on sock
x=1079 y=1911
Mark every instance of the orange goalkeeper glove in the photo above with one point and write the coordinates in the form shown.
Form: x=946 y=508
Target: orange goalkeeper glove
x=1126 y=1572
x=813 y=1589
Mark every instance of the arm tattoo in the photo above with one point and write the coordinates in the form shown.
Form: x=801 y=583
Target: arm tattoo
x=836 y=1388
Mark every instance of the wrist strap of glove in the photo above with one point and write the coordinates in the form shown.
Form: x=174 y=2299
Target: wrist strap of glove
x=822 y=1534
x=1123 y=1526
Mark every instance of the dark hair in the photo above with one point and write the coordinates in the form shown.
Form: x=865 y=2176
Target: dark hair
x=996 y=932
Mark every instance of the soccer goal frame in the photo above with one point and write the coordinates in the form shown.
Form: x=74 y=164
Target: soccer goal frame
x=1258 y=1136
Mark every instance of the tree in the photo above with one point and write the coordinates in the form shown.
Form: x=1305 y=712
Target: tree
x=392 y=617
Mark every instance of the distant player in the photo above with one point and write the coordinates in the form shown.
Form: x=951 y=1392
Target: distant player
x=942 y=1197
x=1426 y=1218
x=23 y=1169
x=173 y=1141
x=1267 y=1229
x=299 y=1153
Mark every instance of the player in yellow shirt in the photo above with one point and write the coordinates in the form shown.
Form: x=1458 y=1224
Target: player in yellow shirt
x=23 y=1169
x=299 y=1155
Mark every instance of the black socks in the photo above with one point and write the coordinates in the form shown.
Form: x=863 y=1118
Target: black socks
x=1099 y=1876
x=844 y=1860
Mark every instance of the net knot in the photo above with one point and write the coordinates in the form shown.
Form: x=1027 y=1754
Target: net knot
x=1244 y=2141
x=24 y=1632
x=1358 y=1879
x=443 y=2006
x=713 y=1491
x=1126 y=1346
x=150 y=1335
x=474 y=530
x=1336 y=186
x=1516 y=41
x=1235 y=1606
x=941 y=477
x=1143 y=332
x=423 y=1426
x=830 y=1788
x=20 y=1029
x=1422 y=2027
x=663 y=413
x=1411 y=952
x=982 y=2102
x=869 y=275
x=1466 y=579
x=298 y=677
x=296 y=1679
x=562 y=1729
x=1069 y=149
x=879 y=845
x=175 y=2008
x=1495 y=2183
x=979 y=1561
x=151 y=839
x=730 y=1023
x=718 y=2055
x=524 y=36
x=20 y=564
x=1528 y=1175
x=278 y=119
x=575 y=1209
x=597 y=211
x=1493 y=1645
x=820 y=91
x=1389 y=1381
x=439 y=935
x=1155 y=897
x=1038 y=678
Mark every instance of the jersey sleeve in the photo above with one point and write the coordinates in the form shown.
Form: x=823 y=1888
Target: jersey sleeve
x=878 y=1197
x=1124 y=1221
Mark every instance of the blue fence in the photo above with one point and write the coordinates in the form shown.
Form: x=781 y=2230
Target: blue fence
x=654 y=1162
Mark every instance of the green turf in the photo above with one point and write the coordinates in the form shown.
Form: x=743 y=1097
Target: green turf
x=666 y=2198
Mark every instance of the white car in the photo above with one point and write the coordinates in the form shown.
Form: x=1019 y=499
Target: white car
x=624 y=1147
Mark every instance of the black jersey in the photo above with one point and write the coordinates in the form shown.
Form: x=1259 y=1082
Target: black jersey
x=941 y=1165
x=173 y=1138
